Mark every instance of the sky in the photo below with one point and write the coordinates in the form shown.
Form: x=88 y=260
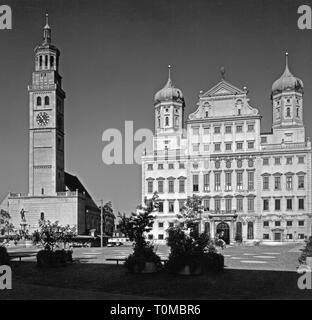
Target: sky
x=114 y=58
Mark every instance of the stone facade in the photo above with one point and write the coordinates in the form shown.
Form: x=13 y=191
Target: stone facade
x=255 y=186
x=53 y=194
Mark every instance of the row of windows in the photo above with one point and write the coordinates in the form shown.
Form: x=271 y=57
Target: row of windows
x=289 y=183
x=217 y=205
x=278 y=160
x=44 y=60
x=289 y=236
x=228 y=146
x=160 y=166
x=289 y=223
x=278 y=202
x=227 y=129
x=46 y=101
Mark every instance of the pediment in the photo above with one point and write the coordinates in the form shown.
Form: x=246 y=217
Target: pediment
x=223 y=88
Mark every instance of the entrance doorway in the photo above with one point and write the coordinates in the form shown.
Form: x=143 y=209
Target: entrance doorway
x=277 y=236
x=223 y=230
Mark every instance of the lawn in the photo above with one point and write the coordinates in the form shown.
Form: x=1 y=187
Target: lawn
x=229 y=284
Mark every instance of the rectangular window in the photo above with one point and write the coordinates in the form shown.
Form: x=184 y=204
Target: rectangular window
x=171 y=166
x=160 y=166
x=171 y=186
x=206 y=147
x=228 y=146
x=251 y=176
x=195 y=147
x=251 y=128
x=251 y=144
x=277 y=223
x=160 y=237
x=217 y=205
x=239 y=205
x=217 y=130
x=289 y=160
x=264 y=139
x=206 y=204
x=266 y=161
x=301 y=204
x=266 y=236
x=171 y=224
x=301 y=223
x=277 y=161
x=149 y=167
x=300 y=160
x=181 y=165
x=171 y=206
x=228 y=181
x=266 y=205
x=150 y=237
x=300 y=182
x=206 y=131
x=195 y=183
x=289 y=204
x=239 y=129
x=160 y=224
x=150 y=186
x=206 y=182
x=289 y=223
x=239 y=181
x=217 y=147
x=239 y=145
x=277 y=204
x=228 y=205
x=251 y=203
x=182 y=185
x=217 y=181
x=228 y=129
x=266 y=182
x=265 y=224
x=160 y=186
x=181 y=205
x=289 y=182
x=195 y=131
x=277 y=183
x=301 y=236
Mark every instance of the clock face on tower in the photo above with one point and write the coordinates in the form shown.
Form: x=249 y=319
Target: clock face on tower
x=42 y=119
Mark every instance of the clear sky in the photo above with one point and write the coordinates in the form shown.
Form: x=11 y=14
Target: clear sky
x=114 y=57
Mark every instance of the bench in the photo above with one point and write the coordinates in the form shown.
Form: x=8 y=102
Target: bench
x=124 y=259
x=21 y=255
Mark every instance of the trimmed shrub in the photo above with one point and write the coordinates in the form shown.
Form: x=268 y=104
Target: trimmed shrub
x=4 y=256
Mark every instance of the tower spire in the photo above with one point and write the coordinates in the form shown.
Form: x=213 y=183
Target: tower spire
x=286 y=59
x=47 y=31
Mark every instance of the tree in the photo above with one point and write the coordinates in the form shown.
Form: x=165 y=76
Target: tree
x=108 y=217
x=306 y=252
x=4 y=221
x=50 y=235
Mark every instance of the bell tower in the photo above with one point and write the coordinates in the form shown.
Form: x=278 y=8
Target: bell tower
x=287 y=103
x=46 y=121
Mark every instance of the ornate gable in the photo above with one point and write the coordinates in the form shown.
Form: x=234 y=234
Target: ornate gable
x=223 y=88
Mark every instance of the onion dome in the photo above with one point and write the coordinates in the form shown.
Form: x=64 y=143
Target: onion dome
x=169 y=92
x=287 y=81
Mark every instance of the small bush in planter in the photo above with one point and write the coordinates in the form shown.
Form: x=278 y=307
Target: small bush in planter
x=4 y=256
x=50 y=236
x=135 y=227
x=191 y=252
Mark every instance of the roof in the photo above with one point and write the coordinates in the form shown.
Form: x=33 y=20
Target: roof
x=72 y=183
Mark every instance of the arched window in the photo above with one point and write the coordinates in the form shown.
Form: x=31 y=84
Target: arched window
x=206 y=114
x=40 y=61
x=42 y=191
x=46 y=61
x=298 y=110
x=46 y=101
x=250 y=230
x=239 y=234
x=158 y=122
x=288 y=112
x=51 y=61
x=38 y=101
x=167 y=121
x=42 y=216
x=177 y=121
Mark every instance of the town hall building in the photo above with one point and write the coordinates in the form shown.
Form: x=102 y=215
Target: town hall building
x=254 y=186
x=53 y=194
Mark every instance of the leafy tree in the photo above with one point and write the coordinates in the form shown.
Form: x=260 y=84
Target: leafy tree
x=306 y=252
x=50 y=235
x=5 y=224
